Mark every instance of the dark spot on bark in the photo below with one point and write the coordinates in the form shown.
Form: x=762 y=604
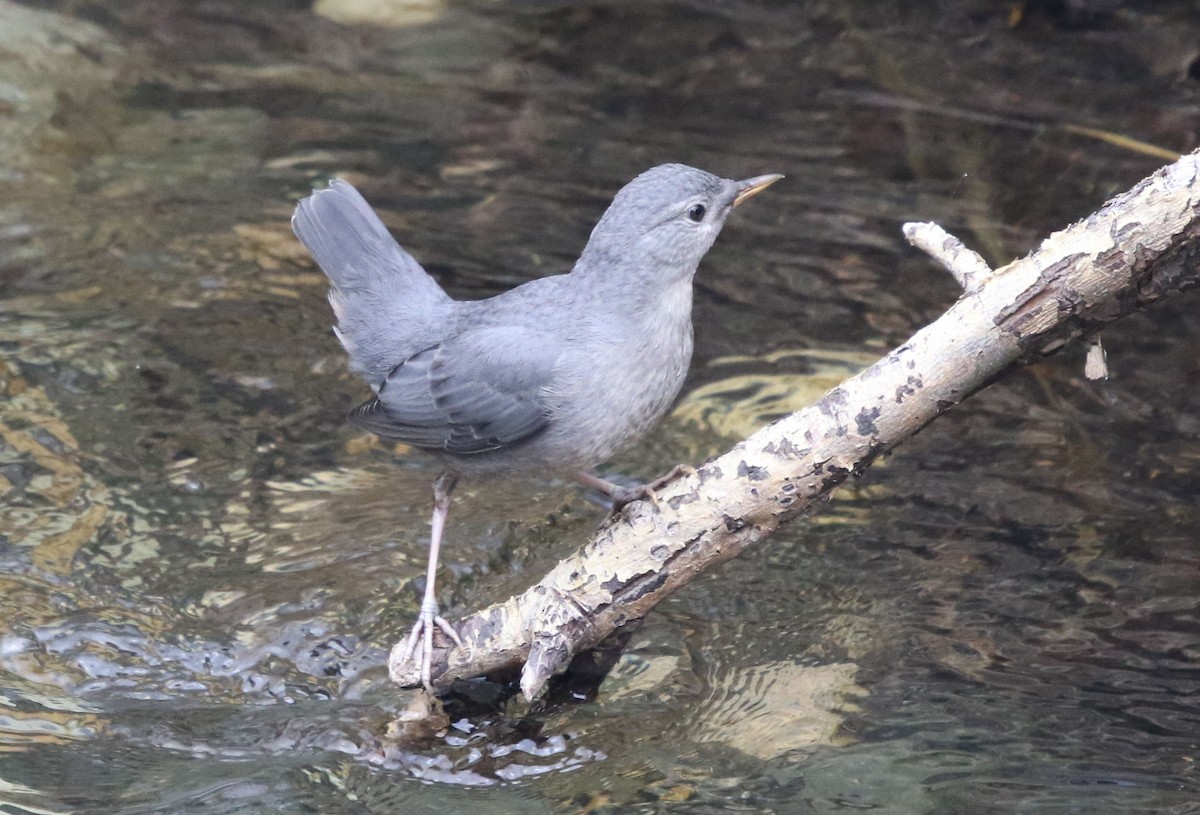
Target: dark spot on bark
x=834 y=475
x=865 y=421
x=612 y=585
x=676 y=501
x=911 y=386
x=831 y=401
x=489 y=626
x=660 y=552
x=643 y=587
x=785 y=449
x=733 y=524
x=712 y=471
x=753 y=473
x=874 y=450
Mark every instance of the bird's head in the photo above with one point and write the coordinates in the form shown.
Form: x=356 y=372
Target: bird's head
x=661 y=223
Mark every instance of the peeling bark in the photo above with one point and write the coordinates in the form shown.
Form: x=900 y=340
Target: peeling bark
x=1139 y=248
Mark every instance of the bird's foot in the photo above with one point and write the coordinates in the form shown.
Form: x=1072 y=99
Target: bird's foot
x=678 y=471
x=627 y=495
x=422 y=634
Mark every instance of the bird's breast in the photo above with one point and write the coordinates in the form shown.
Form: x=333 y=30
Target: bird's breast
x=624 y=379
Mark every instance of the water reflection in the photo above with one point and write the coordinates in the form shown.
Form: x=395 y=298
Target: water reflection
x=201 y=568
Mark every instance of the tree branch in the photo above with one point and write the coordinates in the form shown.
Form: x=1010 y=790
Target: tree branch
x=1139 y=248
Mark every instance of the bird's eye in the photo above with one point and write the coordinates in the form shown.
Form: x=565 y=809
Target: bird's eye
x=696 y=213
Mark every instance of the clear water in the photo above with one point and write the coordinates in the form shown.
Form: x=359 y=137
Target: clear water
x=201 y=567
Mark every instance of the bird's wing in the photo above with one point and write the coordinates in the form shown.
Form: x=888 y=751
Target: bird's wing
x=480 y=391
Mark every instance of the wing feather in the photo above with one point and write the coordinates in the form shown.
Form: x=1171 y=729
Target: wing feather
x=483 y=390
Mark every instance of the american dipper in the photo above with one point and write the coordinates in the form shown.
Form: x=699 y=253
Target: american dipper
x=554 y=376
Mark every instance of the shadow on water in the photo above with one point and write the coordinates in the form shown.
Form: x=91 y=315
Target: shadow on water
x=201 y=567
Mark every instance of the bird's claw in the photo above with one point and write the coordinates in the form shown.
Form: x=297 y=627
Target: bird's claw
x=422 y=634
x=627 y=495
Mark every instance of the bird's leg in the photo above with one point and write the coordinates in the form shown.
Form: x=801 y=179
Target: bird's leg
x=422 y=631
x=627 y=495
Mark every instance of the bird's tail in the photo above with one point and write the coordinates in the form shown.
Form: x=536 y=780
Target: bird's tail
x=379 y=293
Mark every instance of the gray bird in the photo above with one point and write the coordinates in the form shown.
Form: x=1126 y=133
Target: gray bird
x=554 y=376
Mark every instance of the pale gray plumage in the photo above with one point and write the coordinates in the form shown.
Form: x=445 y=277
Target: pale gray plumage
x=559 y=373
x=555 y=375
